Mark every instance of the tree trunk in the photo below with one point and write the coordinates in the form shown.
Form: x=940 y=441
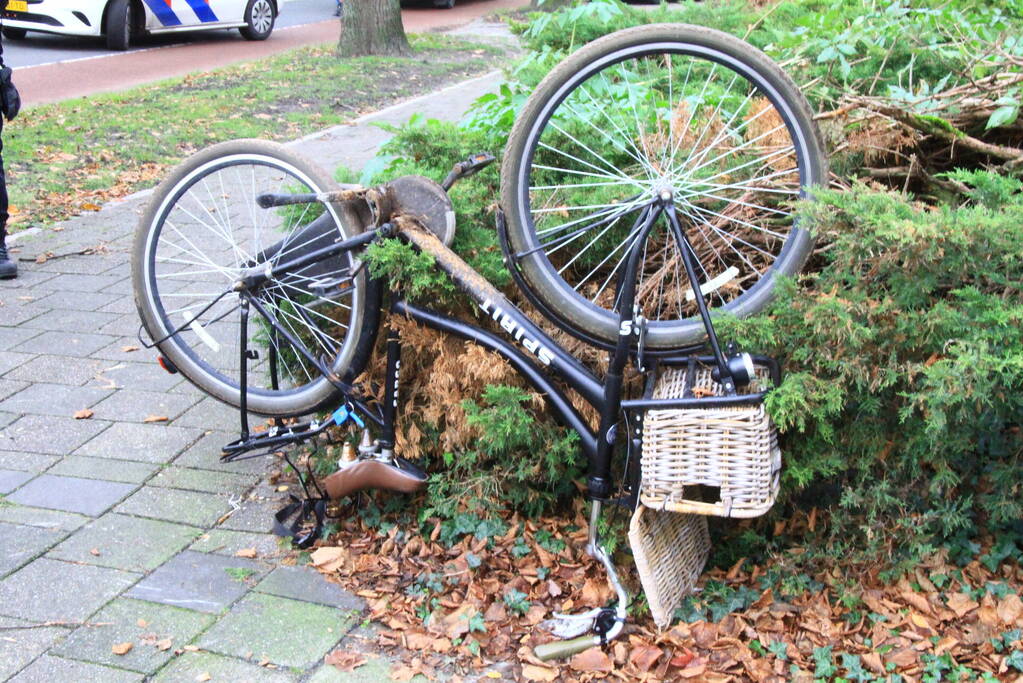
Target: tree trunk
x=372 y=27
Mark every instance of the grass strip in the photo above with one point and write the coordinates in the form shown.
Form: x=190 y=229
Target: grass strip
x=72 y=156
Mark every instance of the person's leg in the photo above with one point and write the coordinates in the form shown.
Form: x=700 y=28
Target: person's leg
x=8 y=267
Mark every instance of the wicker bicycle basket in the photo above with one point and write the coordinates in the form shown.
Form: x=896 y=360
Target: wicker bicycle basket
x=670 y=550
x=721 y=461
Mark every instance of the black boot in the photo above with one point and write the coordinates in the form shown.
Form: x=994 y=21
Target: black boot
x=8 y=267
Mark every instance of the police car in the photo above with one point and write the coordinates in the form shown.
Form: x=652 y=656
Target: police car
x=118 y=21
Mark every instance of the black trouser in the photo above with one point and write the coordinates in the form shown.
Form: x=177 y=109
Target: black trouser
x=3 y=188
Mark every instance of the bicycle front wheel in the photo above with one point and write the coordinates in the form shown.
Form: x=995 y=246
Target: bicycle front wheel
x=203 y=230
x=644 y=113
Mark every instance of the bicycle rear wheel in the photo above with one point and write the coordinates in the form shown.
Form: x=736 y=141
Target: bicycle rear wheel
x=664 y=108
x=203 y=230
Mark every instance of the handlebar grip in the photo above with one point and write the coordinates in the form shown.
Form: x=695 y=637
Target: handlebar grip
x=269 y=200
x=560 y=649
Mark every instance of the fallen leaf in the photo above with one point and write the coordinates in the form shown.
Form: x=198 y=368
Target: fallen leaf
x=89 y=206
x=961 y=604
x=456 y=624
x=203 y=677
x=83 y=414
x=249 y=553
x=155 y=418
x=129 y=348
x=593 y=659
x=142 y=623
x=191 y=648
x=121 y=649
x=94 y=552
x=644 y=656
x=693 y=671
x=328 y=559
x=1009 y=609
x=531 y=672
x=164 y=645
x=344 y=661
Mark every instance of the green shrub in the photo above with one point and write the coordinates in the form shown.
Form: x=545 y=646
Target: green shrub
x=904 y=390
x=905 y=362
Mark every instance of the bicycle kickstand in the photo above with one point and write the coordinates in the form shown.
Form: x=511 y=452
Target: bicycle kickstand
x=603 y=623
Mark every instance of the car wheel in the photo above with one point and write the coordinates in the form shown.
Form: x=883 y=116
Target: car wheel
x=14 y=33
x=259 y=16
x=117 y=25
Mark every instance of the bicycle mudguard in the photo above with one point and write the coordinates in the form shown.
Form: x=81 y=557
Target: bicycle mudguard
x=401 y=475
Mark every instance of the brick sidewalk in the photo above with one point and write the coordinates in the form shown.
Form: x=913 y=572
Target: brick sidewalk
x=114 y=530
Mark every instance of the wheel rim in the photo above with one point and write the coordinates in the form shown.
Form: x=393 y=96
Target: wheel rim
x=262 y=16
x=684 y=118
x=208 y=233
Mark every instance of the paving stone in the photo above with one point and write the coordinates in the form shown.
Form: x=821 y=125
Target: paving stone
x=287 y=632
x=10 y=360
x=29 y=279
x=305 y=583
x=109 y=469
x=85 y=264
x=56 y=370
x=60 y=343
x=119 y=304
x=130 y=405
x=198 y=581
x=125 y=324
x=203 y=480
x=82 y=283
x=41 y=518
x=22 y=543
x=227 y=542
x=205 y=454
x=375 y=670
x=147 y=376
x=188 y=507
x=192 y=665
x=125 y=542
x=12 y=336
x=9 y=387
x=21 y=646
x=212 y=414
x=90 y=497
x=26 y=462
x=7 y=418
x=50 y=669
x=94 y=301
x=51 y=590
x=12 y=479
x=142 y=442
x=253 y=515
x=123 y=616
x=54 y=399
x=115 y=350
x=48 y=434
x=121 y=286
x=23 y=314
x=74 y=319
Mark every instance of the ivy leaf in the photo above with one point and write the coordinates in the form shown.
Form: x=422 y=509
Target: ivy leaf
x=1003 y=116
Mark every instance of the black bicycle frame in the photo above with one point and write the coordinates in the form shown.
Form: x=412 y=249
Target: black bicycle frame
x=531 y=352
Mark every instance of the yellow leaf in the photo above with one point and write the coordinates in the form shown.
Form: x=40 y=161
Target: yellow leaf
x=121 y=649
x=155 y=418
x=89 y=206
x=83 y=414
x=250 y=553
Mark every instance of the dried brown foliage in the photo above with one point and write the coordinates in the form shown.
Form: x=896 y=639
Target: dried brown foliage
x=909 y=619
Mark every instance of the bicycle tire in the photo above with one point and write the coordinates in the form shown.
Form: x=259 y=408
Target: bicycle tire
x=563 y=114
x=202 y=230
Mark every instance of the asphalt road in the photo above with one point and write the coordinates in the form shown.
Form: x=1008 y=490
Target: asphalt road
x=77 y=67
